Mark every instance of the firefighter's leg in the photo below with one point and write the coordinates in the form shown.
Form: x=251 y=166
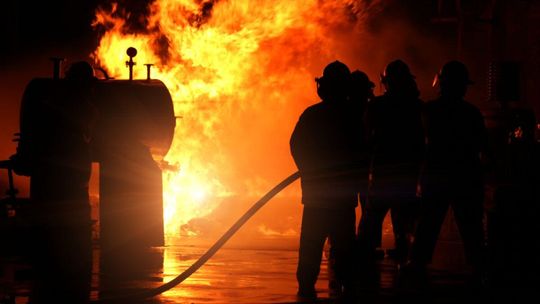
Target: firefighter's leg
x=342 y=241
x=432 y=214
x=469 y=213
x=312 y=237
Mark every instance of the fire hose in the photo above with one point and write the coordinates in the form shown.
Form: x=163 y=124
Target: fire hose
x=210 y=252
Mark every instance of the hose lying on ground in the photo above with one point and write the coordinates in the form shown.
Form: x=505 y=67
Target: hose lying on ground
x=210 y=252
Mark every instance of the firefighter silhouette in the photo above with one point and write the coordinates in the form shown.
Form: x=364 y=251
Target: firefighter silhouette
x=453 y=172
x=360 y=95
x=56 y=122
x=325 y=145
x=361 y=92
x=396 y=138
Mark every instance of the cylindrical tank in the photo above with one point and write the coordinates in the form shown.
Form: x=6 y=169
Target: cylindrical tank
x=133 y=123
x=128 y=110
x=135 y=110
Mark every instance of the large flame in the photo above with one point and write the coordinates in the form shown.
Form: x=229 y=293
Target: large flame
x=240 y=73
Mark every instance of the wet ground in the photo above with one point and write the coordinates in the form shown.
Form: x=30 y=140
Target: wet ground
x=264 y=272
x=237 y=275
x=231 y=276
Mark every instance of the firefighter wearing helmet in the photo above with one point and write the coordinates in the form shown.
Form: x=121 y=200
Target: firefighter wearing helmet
x=325 y=145
x=453 y=174
x=396 y=137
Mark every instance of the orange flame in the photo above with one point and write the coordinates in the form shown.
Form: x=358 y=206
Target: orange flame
x=240 y=73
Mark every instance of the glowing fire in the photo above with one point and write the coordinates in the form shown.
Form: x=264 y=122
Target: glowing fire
x=240 y=73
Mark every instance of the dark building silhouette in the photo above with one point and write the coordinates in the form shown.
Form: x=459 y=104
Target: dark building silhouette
x=512 y=219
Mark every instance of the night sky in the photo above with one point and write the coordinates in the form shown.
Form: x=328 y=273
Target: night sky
x=33 y=31
x=34 y=26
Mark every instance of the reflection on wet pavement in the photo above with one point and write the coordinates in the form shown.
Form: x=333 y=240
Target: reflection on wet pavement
x=233 y=275
x=247 y=275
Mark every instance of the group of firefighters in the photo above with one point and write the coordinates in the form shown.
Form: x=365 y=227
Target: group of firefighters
x=392 y=153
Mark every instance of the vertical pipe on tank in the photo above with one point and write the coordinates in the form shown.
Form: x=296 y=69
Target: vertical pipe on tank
x=57 y=64
x=148 y=68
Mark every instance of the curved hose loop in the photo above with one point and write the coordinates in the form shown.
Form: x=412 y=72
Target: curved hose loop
x=210 y=252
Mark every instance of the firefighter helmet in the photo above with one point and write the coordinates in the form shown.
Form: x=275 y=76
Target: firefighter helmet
x=453 y=72
x=396 y=70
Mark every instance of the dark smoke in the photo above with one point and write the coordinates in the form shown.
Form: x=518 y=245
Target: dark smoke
x=196 y=20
